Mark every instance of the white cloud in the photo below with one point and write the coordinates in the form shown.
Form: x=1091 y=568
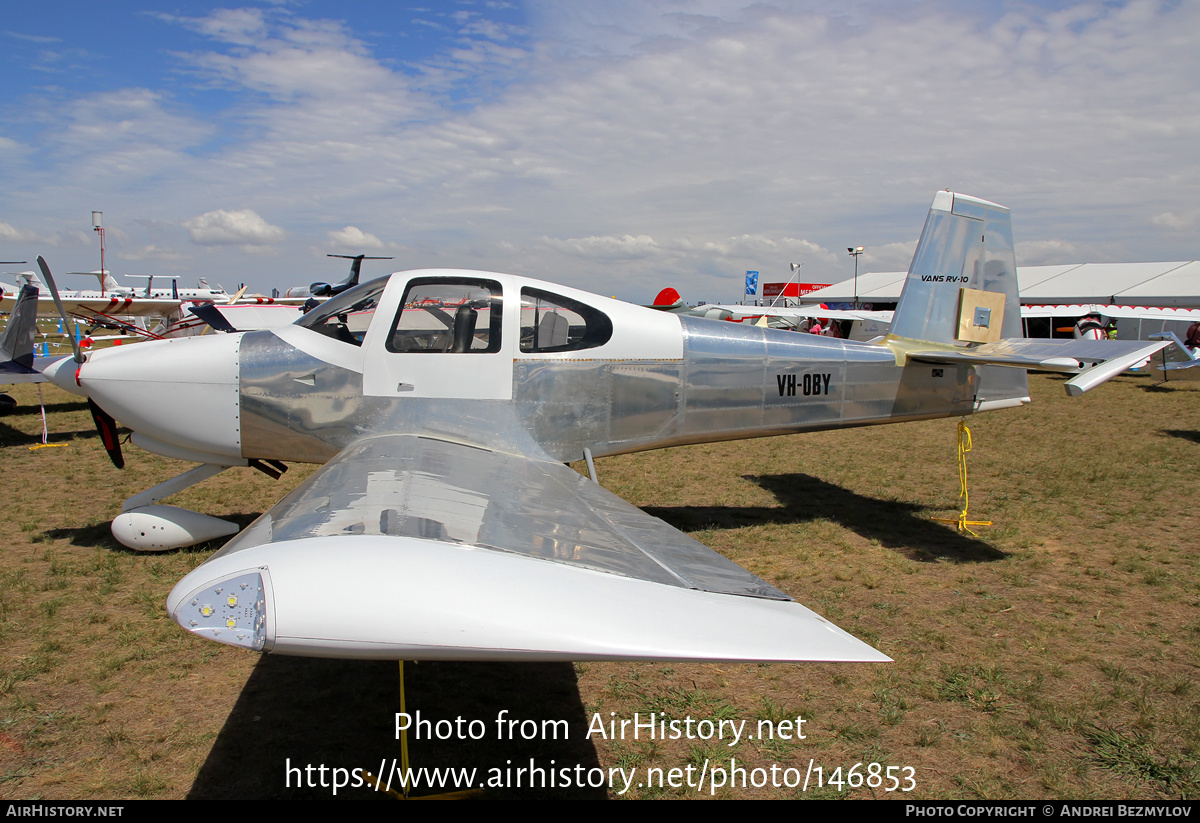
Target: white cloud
x=151 y=252
x=243 y=227
x=605 y=248
x=652 y=140
x=742 y=245
x=1046 y=252
x=259 y=251
x=126 y=126
x=1186 y=221
x=239 y=26
x=33 y=38
x=27 y=237
x=352 y=237
x=888 y=257
x=751 y=245
x=11 y=234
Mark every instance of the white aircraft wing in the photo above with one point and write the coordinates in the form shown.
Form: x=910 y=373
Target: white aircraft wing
x=114 y=306
x=123 y=306
x=406 y=547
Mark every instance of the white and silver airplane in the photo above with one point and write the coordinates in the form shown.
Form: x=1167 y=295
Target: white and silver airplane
x=125 y=309
x=113 y=299
x=444 y=405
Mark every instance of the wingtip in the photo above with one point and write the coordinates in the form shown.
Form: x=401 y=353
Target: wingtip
x=506 y=607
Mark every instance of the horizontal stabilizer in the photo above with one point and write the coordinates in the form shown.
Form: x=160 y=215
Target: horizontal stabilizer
x=973 y=357
x=1095 y=361
x=1099 y=373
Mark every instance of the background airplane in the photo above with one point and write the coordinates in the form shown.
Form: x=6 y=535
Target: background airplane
x=148 y=313
x=113 y=298
x=444 y=405
x=323 y=289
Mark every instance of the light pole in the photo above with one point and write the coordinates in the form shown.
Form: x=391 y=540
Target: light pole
x=98 y=227
x=855 y=252
x=796 y=277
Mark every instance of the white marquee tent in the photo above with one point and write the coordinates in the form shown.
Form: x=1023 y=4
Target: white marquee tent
x=1124 y=284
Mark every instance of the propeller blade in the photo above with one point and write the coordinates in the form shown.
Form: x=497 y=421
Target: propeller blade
x=108 y=433
x=41 y=261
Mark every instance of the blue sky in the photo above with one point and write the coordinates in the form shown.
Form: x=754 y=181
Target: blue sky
x=618 y=146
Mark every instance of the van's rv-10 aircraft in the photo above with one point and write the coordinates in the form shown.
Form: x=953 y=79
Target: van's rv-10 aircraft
x=444 y=405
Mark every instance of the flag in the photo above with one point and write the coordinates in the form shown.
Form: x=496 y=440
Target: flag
x=751 y=282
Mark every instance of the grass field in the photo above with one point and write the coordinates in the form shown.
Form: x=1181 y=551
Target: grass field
x=1053 y=656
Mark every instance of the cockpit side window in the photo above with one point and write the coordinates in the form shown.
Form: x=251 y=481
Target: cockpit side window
x=348 y=316
x=448 y=315
x=553 y=323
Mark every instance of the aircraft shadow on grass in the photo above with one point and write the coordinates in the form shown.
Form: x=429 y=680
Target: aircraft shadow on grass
x=65 y=407
x=1164 y=387
x=342 y=713
x=1184 y=434
x=15 y=437
x=91 y=536
x=895 y=524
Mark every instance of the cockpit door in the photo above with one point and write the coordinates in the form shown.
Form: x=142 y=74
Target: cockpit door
x=441 y=335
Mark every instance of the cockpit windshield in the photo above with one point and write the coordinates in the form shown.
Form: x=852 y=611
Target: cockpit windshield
x=347 y=316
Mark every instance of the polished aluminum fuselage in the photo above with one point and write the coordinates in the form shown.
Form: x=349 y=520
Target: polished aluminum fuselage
x=733 y=381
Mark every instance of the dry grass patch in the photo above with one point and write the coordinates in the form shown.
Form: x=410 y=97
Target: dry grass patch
x=1054 y=655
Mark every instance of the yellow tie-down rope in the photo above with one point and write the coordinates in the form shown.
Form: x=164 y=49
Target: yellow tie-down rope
x=45 y=444
x=404 y=767
x=964 y=446
x=377 y=783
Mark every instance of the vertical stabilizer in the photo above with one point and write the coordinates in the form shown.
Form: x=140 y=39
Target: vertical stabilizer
x=16 y=345
x=31 y=279
x=962 y=284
